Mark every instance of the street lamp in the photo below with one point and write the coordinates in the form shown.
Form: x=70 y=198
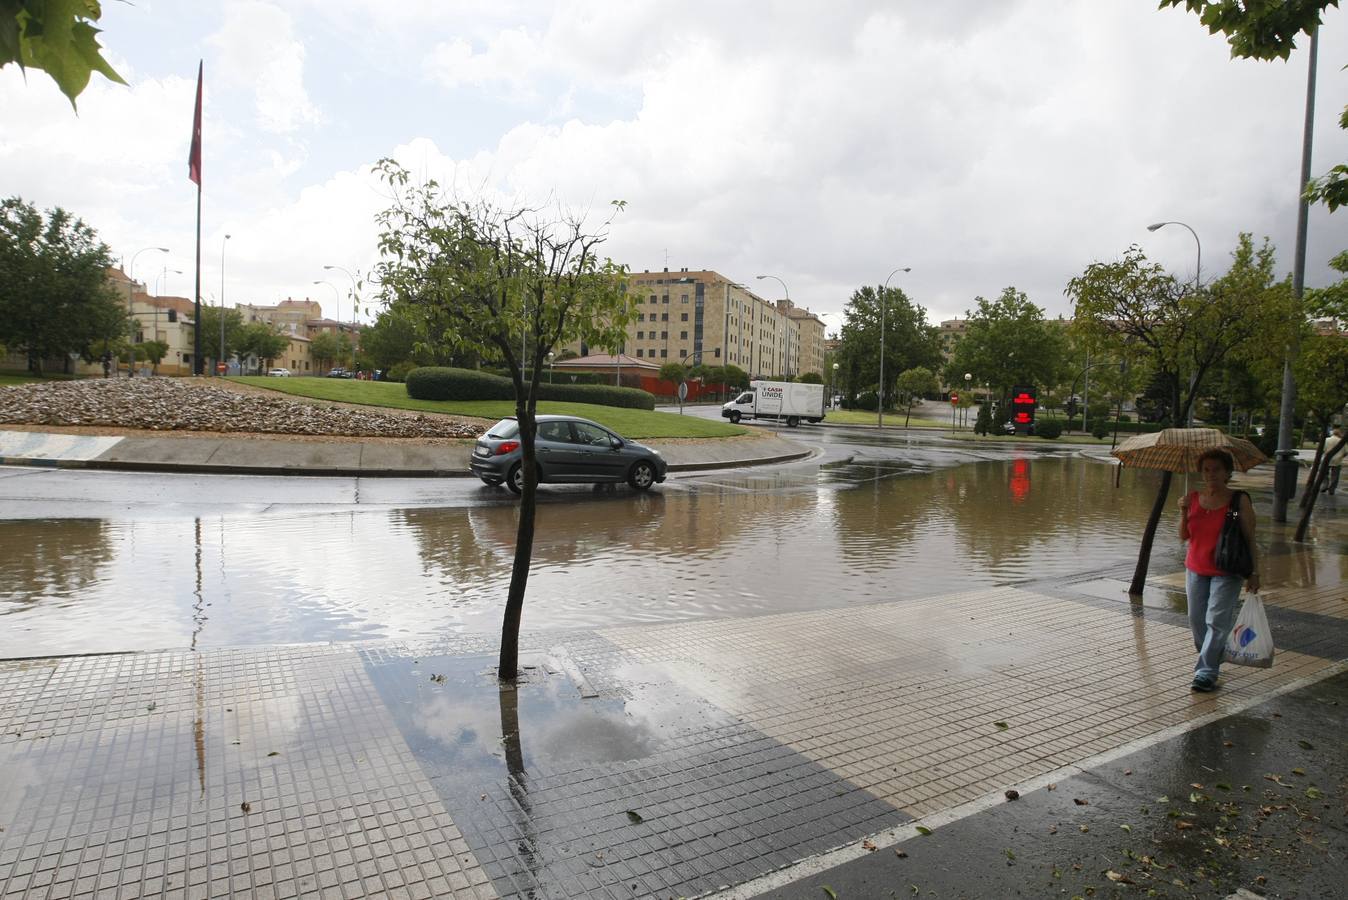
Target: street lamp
x=786 y=348
x=884 y=302
x=130 y=310
x=354 y=296
x=968 y=382
x=337 y=296
x=1198 y=270
x=833 y=387
x=221 y=358
x=550 y=356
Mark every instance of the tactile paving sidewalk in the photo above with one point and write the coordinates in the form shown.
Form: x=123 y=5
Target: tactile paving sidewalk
x=697 y=755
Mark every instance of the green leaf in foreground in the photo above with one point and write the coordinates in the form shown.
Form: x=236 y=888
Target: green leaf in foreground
x=923 y=830
x=1305 y=745
x=1313 y=793
x=833 y=895
x=1001 y=725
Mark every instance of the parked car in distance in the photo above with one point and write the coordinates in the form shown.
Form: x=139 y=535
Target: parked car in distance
x=568 y=450
x=339 y=372
x=278 y=373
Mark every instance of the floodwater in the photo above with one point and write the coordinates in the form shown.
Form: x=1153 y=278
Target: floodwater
x=725 y=545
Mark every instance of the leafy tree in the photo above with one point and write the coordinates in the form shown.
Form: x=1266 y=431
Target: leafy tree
x=734 y=378
x=1183 y=331
x=1267 y=30
x=811 y=378
x=331 y=348
x=261 y=340
x=909 y=340
x=1330 y=302
x=153 y=352
x=390 y=340
x=55 y=299
x=56 y=36
x=912 y=385
x=513 y=280
x=983 y=424
x=1322 y=392
x=673 y=372
x=209 y=326
x=1008 y=342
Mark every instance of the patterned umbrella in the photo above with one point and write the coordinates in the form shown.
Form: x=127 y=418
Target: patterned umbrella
x=1178 y=449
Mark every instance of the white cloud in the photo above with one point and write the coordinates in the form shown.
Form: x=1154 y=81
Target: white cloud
x=255 y=46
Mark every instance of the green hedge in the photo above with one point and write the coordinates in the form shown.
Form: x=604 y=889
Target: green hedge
x=435 y=383
x=1124 y=427
x=1048 y=429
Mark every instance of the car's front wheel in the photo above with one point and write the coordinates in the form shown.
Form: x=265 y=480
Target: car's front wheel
x=734 y=417
x=642 y=475
x=792 y=421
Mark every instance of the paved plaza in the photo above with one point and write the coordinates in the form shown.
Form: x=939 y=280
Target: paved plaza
x=641 y=761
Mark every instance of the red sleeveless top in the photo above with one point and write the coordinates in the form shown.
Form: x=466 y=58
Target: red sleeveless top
x=1205 y=527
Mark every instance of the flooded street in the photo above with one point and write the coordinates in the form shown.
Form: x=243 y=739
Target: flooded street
x=725 y=544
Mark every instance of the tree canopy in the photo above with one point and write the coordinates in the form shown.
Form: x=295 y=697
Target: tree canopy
x=1267 y=30
x=56 y=36
x=55 y=298
x=1008 y=342
x=909 y=340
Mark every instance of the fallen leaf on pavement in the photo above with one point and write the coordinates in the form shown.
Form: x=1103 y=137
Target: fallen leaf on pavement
x=1305 y=745
x=1119 y=877
x=923 y=830
x=900 y=853
x=833 y=895
x=1079 y=802
x=1181 y=826
x=1012 y=794
x=869 y=845
x=634 y=817
x=1002 y=725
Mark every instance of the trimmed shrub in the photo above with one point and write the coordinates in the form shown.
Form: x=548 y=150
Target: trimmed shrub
x=400 y=371
x=867 y=400
x=1100 y=429
x=437 y=383
x=1048 y=429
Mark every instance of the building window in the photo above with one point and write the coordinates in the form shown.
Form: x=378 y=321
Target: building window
x=640 y=335
x=718 y=352
x=665 y=300
x=639 y=351
x=683 y=335
x=664 y=353
x=652 y=300
x=664 y=335
x=683 y=298
x=664 y=317
x=683 y=317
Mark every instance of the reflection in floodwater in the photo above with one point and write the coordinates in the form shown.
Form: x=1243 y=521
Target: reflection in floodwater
x=724 y=545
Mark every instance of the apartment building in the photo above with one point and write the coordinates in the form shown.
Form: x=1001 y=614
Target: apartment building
x=705 y=317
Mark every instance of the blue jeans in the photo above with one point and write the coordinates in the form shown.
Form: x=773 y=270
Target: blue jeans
x=1213 y=603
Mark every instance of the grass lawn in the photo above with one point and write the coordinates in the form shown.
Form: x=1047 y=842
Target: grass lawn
x=8 y=378
x=634 y=423
x=892 y=418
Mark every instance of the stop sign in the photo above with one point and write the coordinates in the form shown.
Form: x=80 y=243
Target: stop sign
x=954 y=399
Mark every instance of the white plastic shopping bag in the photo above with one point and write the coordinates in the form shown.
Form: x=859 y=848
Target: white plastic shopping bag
x=1251 y=642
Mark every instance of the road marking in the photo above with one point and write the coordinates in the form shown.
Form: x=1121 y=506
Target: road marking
x=37 y=445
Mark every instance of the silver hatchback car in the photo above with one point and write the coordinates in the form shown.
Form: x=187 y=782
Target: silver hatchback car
x=569 y=450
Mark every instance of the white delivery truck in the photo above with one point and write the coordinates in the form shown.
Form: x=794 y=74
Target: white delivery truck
x=785 y=401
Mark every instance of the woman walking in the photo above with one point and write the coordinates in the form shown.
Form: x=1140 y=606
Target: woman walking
x=1214 y=595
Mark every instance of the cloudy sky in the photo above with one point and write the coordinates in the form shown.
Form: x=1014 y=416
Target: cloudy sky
x=984 y=143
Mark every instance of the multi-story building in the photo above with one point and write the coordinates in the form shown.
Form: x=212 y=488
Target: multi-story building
x=704 y=317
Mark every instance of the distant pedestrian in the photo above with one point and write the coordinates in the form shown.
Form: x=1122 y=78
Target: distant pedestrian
x=1213 y=595
x=1334 y=460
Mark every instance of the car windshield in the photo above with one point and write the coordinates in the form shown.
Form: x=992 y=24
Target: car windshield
x=506 y=428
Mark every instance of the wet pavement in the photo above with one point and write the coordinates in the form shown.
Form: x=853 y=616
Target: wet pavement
x=727 y=681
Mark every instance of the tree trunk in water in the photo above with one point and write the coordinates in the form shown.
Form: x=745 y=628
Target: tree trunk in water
x=1313 y=492
x=1149 y=536
x=1314 y=476
x=508 y=665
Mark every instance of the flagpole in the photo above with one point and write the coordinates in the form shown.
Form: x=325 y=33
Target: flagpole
x=194 y=173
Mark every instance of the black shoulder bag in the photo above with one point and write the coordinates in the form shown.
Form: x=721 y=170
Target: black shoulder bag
x=1233 y=553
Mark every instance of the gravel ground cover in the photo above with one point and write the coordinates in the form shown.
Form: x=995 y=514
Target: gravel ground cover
x=170 y=404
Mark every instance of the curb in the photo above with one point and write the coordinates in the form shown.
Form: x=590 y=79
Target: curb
x=337 y=471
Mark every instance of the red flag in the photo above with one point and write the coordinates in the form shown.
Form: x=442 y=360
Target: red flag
x=194 y=158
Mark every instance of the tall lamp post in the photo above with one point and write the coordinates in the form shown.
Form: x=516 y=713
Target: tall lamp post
x=354 y=296
x=1198 y=274
x=884 y=303
x=786 y=344
x=130 y=309
x=221 y=358
x=833 y=387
